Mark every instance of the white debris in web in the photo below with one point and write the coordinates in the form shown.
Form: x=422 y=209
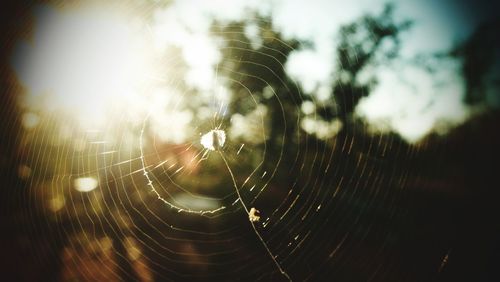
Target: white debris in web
x=254 y=215
x=213 y=140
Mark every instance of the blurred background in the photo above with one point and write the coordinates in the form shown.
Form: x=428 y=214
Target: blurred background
x=365 y=133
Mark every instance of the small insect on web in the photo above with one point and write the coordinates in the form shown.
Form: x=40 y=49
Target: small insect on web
x=214 y=141
x=254 y=215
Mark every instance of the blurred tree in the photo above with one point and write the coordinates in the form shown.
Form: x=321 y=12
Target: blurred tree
x=480 y=68
x=256 y=71
x=364 y=43
x=254 y=65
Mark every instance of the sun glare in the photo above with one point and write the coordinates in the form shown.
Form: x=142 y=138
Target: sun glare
x=83 y=61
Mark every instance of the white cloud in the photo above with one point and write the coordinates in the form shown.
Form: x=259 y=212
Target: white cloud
x=414 y=102
x=310 y=68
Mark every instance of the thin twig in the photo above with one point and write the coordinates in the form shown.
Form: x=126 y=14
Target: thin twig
x=251 y=222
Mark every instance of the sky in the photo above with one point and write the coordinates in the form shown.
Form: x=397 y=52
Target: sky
x=407 y=100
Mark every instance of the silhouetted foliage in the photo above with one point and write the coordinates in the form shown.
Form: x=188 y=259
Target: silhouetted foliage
x=256 y=71
x=480 y=52
x=365 y=42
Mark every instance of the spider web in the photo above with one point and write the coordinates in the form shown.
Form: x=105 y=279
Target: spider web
x=169 y=208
